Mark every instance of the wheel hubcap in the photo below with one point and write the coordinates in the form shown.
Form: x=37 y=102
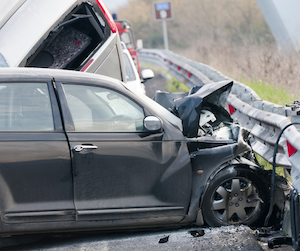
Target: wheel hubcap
x=235 y=201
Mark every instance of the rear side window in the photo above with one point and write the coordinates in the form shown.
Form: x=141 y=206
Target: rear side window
x=25 y=107
x=72 y=41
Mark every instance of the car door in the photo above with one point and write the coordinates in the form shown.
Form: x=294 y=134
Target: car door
x=120 y=170
x=35 y=167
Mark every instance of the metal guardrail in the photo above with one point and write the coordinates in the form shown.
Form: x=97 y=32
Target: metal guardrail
x=264 y=119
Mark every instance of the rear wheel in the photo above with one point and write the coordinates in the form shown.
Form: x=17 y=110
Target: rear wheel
x=236 y=195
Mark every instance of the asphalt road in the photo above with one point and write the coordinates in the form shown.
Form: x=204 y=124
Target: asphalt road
x=154 y=84
x=224 y=238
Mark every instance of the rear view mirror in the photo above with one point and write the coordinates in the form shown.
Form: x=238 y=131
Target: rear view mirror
x=139 y=44
x=112 y=96
x=147 y=74
x=152 y=123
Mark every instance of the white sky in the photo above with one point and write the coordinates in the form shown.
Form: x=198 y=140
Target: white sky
x=113 y=5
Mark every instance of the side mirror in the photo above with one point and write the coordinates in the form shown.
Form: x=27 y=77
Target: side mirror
x=139 y=44
x=147 y=74
x=152 y=123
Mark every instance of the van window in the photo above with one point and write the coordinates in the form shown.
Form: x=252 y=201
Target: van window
x=72 y=41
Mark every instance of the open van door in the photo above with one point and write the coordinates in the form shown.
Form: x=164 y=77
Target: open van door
x=69 y=34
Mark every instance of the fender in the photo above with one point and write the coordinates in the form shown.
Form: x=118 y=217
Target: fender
x=211 y=163
x=208 y=160
x=238 y=161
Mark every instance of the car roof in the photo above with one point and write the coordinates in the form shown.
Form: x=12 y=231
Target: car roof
x=45 y=74
x=27 y=74
x=30 y=19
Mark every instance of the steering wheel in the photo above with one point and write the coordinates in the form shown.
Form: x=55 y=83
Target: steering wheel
x=120 y=122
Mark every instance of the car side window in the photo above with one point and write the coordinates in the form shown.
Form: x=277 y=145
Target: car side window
x=25 y=107
x=130 y=76
x=97 y=109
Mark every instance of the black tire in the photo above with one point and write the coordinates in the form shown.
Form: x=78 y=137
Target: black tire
x=236 y=195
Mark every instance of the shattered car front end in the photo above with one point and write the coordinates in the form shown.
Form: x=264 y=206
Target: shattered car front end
x=231 y=185
x=206 y=124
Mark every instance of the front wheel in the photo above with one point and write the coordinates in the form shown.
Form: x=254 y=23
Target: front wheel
x=236 y=195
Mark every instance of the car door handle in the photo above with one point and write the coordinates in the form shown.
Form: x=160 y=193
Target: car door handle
x=79 y=148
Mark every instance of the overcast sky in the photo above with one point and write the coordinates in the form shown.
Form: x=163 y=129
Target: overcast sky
x=113 y=5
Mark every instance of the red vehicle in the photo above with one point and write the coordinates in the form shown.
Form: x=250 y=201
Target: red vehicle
x=126 y=35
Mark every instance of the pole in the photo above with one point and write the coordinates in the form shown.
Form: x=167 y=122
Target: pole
x=164 y=25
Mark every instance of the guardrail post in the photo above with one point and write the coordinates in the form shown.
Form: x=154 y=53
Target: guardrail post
x=293 y=111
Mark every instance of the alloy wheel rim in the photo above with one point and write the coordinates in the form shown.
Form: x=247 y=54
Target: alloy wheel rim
x=235 y=201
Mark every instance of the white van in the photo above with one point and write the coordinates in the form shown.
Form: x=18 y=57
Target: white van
x=133 y=79
x=70 y=34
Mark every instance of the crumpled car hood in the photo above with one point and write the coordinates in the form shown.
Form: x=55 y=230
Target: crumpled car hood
x=189 y=107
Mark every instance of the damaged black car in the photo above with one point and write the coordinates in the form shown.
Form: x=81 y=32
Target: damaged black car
x=82 y=152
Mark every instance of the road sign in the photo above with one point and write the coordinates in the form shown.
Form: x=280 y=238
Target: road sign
x=162 y=11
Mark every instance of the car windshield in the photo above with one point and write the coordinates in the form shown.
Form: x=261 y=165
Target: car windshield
x=130 y=76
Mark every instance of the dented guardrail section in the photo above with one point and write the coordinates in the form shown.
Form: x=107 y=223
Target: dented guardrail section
x=264 y=119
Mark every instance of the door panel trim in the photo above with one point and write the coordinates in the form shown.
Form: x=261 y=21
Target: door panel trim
x=39 y=217
x=37 y=214
x=129 y=213
x=126 y=210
